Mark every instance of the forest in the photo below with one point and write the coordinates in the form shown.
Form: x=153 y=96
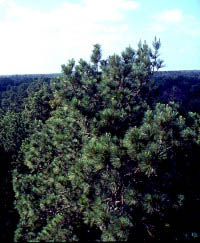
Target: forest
x=106 y=150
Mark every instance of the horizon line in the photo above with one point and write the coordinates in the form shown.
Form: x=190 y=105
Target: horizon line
x=20 y=74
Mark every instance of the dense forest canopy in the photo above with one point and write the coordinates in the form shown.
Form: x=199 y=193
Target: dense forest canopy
x=108 y=150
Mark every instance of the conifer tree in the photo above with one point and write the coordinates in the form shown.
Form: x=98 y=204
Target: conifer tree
x=96 y=56
x=42 y=189
x=11 y=131
x=106 y=165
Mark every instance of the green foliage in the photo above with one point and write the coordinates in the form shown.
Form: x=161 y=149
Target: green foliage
x=96 y=56
x=59 y=142
x=11 y=131
x=104 y=164
x=37 y=107
x=182 y=87
x=25 y=108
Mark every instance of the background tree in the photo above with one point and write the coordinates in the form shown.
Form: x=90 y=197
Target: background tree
x=24 y=109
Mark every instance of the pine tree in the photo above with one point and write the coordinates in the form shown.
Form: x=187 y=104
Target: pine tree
x=106 y=165
x=96 y=56
x=42 y=189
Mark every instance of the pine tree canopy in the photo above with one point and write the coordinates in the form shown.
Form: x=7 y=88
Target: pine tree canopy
x=106 y=164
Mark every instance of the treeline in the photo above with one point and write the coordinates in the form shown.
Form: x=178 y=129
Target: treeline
x=105 y=151
x=182 y=87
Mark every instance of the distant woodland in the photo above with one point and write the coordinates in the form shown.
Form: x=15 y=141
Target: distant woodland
x=107 y=150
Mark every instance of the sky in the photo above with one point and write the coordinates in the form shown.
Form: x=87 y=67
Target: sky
x=38 y=36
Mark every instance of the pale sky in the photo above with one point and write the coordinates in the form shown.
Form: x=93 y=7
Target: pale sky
x=38 y=36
